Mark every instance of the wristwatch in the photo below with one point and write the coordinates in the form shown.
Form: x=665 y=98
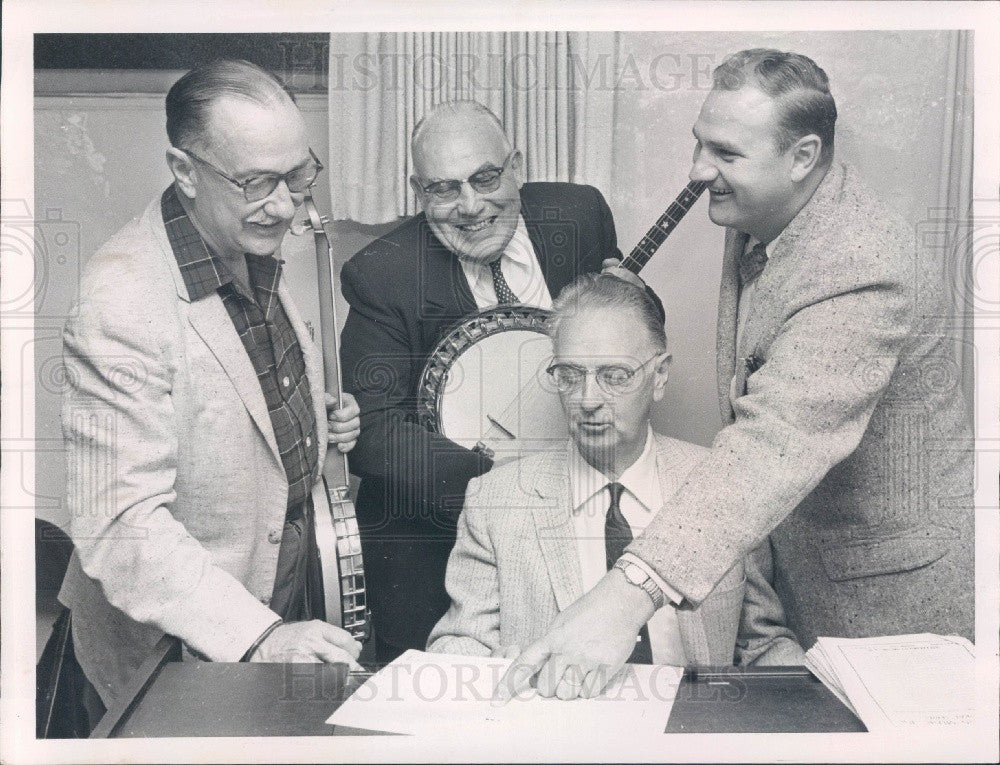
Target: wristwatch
x=637 y=575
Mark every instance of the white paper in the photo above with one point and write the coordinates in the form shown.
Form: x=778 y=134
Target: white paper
x=903 y=680
x=421 y=693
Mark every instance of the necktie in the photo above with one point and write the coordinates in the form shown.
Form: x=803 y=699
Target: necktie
x=752 y=262
x=617 y=535
x=505 y=296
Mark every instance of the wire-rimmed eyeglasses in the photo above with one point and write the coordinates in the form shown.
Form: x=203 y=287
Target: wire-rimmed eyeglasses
x=613 y=379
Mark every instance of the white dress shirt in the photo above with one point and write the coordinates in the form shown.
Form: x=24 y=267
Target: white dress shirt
x=521 y=270
x=640 y=501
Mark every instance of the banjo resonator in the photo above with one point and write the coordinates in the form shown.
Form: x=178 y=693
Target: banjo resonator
x=485 y=387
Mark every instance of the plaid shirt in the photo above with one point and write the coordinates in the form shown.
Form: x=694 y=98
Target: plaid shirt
x=267 y=334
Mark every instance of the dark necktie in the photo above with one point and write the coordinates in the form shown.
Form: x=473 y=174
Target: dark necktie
x=617 y=535
x=505 y=295
x=752 y=262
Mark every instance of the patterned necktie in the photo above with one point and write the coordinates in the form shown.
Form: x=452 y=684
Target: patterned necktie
x=505 y=295
x=752 y=262
x=617 y=535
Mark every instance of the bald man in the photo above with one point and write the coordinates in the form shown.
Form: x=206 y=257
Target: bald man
x=484 y=236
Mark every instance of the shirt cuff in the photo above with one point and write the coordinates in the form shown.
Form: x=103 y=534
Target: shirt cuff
x=669 y=592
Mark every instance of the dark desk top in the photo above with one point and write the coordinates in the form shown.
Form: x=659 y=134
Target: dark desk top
x=205 y=699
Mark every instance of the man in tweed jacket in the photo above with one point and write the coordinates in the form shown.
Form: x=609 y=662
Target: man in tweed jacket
x=194 y=389
x=536 y=533
x=846 y=433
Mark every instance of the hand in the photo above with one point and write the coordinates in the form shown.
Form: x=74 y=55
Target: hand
x=585 y=646
x=343 y=425
x=314 y=641
x=613 y=266
x=505 y=652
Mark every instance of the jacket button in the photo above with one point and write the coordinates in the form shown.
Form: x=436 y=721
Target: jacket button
x=274 y=537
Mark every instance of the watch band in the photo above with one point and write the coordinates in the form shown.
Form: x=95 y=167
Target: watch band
x=646 y=582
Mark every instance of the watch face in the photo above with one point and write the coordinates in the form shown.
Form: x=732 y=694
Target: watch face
x=634 y=574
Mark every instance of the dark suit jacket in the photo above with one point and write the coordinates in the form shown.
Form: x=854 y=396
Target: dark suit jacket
x=405 y=291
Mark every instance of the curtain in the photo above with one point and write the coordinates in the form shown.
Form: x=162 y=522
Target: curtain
x=955 y=199
x=544 y=87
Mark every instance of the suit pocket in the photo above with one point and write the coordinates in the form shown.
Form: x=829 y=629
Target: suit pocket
x=872 y=557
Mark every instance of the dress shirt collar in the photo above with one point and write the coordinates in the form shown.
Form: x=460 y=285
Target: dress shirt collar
x=519 y=251
x=640 y=478
x=203 y=271
x=768 y=248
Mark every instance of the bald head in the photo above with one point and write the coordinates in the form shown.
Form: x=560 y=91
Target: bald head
x=453 y=121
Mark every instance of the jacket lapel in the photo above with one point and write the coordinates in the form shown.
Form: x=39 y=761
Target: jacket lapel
x=445 y=290
x=555 y=531
x=729 y=295
x=555 y=243
x=213 y=325
x=211 y=321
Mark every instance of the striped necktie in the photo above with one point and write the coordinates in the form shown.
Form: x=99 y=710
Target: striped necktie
x=752 y=262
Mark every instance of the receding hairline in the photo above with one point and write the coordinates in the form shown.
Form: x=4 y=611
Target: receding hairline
x=591 y=293
x=194 y=98
x=589 y=305
x=452 y=114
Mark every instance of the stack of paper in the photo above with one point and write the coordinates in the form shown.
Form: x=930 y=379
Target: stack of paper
x=901 y=680
x=434 y=694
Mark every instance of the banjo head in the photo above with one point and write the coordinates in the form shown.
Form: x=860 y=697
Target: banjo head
x=486 y=383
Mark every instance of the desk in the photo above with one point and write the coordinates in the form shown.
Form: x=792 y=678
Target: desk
x=194 y=698
x=190 y=698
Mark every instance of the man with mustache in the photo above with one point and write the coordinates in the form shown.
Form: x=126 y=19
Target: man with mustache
x=196 y=417
x=840 y=439
x=485 y=237
x=536 y=533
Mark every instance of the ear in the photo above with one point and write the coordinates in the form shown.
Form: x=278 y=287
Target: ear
x=183 y=171
x=418 y=190
x=660 y=374
x=517 y=166
x=805 y=156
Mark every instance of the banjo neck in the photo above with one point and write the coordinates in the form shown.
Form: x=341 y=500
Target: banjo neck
x=660 y=230
x=337 y=532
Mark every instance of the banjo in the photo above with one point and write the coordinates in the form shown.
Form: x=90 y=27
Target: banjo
x=485 y=385
x=338 y=529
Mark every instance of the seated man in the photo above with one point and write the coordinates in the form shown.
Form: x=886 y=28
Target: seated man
x=484 y=238
x=539 y=532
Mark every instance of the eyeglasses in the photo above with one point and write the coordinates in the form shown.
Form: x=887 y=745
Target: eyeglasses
x=613 y=379
x=258 y=187
x=484 y=182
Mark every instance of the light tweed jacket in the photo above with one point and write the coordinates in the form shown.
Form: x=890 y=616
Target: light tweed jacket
x=847 y=431
x=515 y=566
x=176 y=490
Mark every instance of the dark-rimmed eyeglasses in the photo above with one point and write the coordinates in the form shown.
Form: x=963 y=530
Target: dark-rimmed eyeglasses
x=258 y=187
x=485 y=181
x=613 y=379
